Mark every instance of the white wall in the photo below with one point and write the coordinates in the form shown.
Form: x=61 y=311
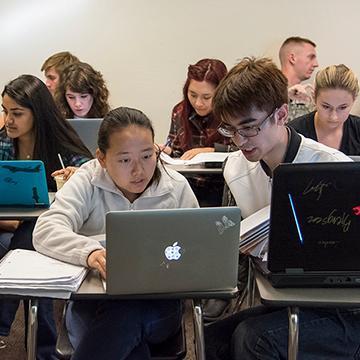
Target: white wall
x=143 y=47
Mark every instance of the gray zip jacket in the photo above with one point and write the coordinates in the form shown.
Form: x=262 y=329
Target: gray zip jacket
x=78 y=212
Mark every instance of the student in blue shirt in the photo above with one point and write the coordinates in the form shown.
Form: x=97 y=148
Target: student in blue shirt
x=34 y=129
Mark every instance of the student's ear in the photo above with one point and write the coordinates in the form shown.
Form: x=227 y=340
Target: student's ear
x=282 y=114
x=292 y=58
x=101 y=157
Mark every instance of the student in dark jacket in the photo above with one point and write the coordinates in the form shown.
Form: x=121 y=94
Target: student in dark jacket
x=336 y=89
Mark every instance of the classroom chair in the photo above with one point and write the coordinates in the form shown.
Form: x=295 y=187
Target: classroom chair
x=173 y=348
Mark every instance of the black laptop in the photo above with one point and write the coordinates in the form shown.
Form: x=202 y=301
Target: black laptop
x=314 y=235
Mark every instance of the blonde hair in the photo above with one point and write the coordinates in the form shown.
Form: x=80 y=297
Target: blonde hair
x=337 y=77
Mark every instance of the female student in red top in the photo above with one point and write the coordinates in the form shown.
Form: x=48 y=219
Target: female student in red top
x=193 y=127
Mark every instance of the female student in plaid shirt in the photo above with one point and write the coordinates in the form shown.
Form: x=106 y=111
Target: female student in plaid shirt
x=193 y=127
x=34 y=129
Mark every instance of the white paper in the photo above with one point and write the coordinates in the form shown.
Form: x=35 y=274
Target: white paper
x=255 y=222
x=26 y=271
x=254 y=232
x=197 y=159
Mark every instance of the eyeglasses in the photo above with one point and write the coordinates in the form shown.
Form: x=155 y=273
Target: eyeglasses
x=250 y=131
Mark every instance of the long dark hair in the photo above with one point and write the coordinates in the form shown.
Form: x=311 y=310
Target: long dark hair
x=53 y=134
x=211 y=71
x=121 y=118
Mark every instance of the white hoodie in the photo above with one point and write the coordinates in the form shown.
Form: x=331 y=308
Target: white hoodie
x=80 y=206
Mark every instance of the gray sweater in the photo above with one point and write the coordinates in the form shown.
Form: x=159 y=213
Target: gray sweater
x=78 y=212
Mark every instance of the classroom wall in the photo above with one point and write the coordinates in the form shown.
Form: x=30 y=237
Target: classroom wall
x=143 y=47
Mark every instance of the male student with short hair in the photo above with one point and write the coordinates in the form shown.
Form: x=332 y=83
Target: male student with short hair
x=252 y=104
x=54 y=66
x=298 y=61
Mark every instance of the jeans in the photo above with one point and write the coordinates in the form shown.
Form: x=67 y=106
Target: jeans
x=120 y=329
x=5 y=238
x=45 y=349
x=324 y=333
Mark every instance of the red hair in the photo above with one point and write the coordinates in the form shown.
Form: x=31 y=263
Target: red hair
x=211 y=71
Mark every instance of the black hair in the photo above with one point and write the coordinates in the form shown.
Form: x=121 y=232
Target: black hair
x=121 y=118
x=53 y=134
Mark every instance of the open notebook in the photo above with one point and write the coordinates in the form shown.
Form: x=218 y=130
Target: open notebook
x=202 y=158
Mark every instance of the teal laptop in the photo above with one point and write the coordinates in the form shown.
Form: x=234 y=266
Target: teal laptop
x=23 y=184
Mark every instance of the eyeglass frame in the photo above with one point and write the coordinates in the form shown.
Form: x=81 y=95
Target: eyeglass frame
x=254 y=127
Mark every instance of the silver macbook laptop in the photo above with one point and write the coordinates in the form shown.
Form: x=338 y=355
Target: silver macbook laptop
x=315 y=225
x=172 y=250
x=87 y=129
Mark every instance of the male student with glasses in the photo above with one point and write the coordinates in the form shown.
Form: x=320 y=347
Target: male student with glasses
x=252 y=103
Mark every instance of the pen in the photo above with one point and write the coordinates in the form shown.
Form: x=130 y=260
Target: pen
x=61 y=161
x=168 y=142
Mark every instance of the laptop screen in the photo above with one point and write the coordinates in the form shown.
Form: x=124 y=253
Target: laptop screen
x=315 y=217
x=87 y=129
x=23 y=184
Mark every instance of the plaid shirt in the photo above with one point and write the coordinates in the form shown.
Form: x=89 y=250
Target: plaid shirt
x=7 y=152
x=200 y=132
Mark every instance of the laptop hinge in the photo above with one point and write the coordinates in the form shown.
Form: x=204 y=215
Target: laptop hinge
x=294 y=271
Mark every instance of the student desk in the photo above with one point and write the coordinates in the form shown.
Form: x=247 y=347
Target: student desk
x=293 y=298
x=92 y=288
x=22 y=213
x=195 y=169
x=18 y=213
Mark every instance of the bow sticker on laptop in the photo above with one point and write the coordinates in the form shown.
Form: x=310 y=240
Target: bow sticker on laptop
x=224 y=224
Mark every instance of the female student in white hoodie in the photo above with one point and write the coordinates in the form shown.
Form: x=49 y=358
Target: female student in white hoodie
x=126 y=175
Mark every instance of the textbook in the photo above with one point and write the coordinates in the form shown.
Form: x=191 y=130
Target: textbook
x=206 y=157
x=29 y=273
x=254 y=233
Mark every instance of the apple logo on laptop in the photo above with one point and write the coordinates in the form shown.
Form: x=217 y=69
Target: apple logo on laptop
x=173 y=252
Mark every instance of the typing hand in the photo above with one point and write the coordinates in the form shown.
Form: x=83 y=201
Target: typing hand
x=97 y=260
x=191 y=153
x=66 y=173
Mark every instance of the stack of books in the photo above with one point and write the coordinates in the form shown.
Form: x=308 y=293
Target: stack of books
x=254 y=233
x=29 y=273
